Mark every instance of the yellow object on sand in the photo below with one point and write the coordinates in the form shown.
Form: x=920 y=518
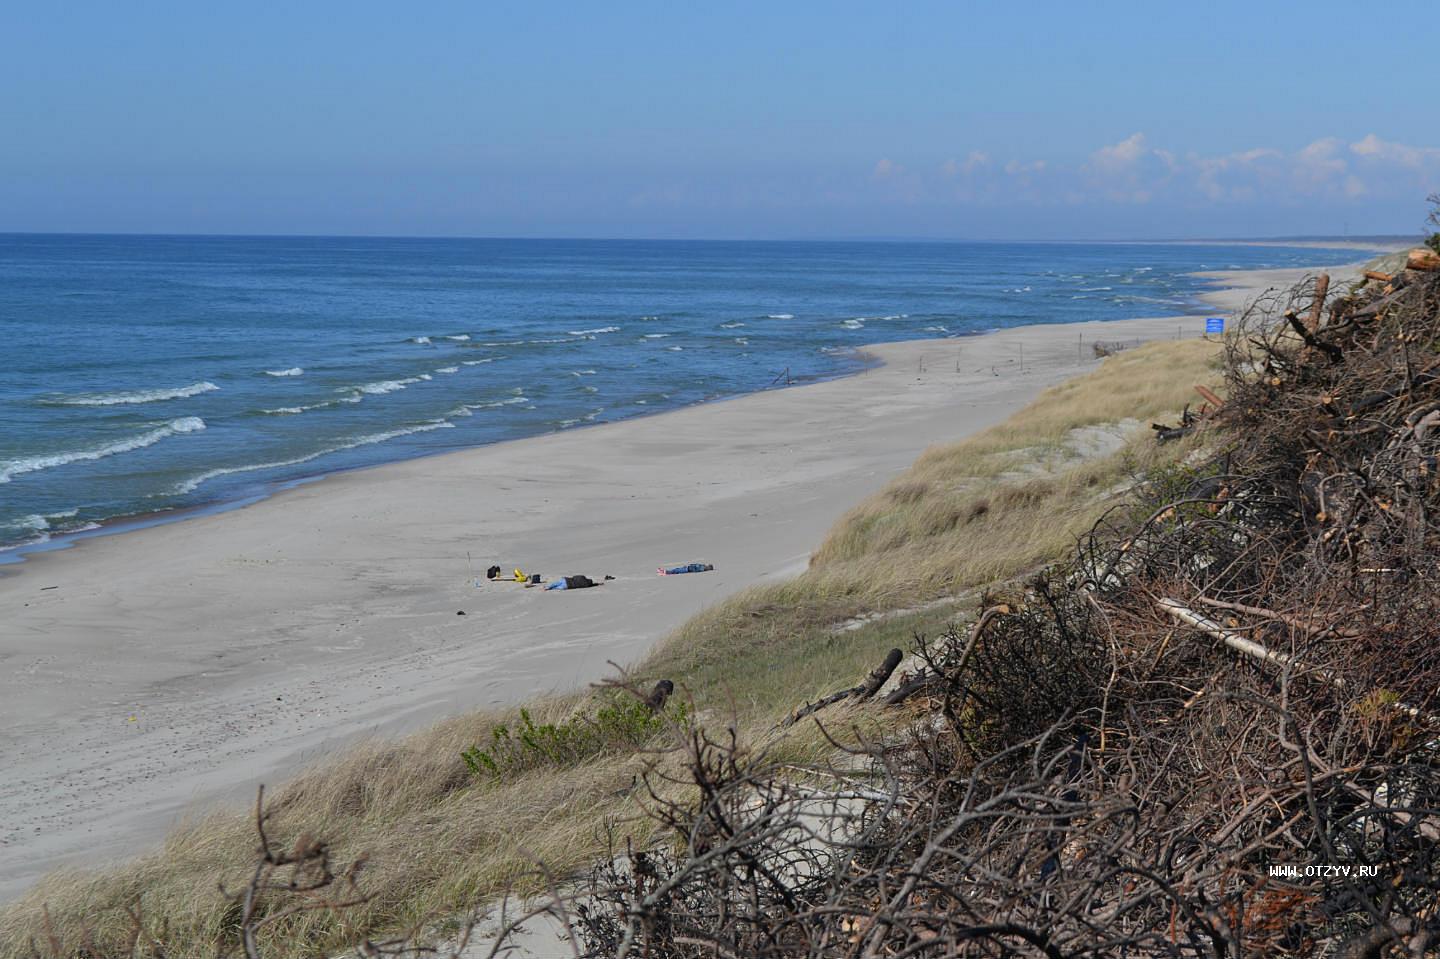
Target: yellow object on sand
x=520 y=577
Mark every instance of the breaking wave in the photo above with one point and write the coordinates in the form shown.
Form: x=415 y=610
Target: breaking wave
x=136 y=396
x=369 y=439
x=292 y=371
x=34 y=464
x=381 y=387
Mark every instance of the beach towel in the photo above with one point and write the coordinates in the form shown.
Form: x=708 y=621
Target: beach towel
x=688 y=568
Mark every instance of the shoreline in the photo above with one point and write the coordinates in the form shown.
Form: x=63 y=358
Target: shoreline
x=154 y=673
x=16 y=558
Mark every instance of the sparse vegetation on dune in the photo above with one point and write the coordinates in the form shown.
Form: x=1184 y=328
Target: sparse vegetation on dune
x=438 y=836
x=1211 y=732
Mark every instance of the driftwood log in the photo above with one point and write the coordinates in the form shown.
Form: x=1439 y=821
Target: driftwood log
x=859 y=693
x=928 y=679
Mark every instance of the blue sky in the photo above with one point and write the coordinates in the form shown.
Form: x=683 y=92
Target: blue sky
x=807 y=120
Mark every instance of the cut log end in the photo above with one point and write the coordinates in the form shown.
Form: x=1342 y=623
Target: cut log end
x=1422 y=259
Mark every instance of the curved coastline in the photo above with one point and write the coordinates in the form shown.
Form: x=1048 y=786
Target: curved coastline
x=16 y=558
x=183 y=662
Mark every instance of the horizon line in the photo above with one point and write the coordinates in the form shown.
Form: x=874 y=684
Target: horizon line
x=1365 y=240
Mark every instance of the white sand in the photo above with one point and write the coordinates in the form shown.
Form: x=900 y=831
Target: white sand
x=149 y=672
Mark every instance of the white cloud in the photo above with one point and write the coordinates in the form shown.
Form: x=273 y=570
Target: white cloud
x=1120 y=156
x=1374 y=148
x=1130 y=171
x=975 y=161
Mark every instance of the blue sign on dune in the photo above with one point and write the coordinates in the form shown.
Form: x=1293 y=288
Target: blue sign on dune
x=1215 y=324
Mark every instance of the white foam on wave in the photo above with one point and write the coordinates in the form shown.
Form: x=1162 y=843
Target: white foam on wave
x=40 y=527
x=291 y=410
x=742 y=341
x=582 y=372
x=292 y=371
x=654 y=336
x=780 y=316
x=601 y=329
x=731 y=326
x=381 y=387
x=488 y=359
x=136 y=396
x=448 y=369
x=34 y=528
x=34 y=464
x=857 y=324
x=675 y=349
x=459 y=337
x=194 y=483
x=420 y=340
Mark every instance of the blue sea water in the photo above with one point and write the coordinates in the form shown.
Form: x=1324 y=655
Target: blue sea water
x=152 y=373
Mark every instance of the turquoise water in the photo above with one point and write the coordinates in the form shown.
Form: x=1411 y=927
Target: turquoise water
x=145 y=374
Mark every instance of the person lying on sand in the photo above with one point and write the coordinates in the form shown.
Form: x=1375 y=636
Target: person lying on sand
x=576 y=582
x=688 y=568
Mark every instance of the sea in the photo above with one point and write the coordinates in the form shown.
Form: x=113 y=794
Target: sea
x=145 y=377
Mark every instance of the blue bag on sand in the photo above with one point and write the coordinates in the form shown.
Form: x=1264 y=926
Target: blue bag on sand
x=558 y=584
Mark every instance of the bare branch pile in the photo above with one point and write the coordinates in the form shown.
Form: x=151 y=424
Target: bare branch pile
x=1214 y=734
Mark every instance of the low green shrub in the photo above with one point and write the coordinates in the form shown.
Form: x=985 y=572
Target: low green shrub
x=623 y=723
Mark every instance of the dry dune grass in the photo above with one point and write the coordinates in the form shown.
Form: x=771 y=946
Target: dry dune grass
x=438 y=839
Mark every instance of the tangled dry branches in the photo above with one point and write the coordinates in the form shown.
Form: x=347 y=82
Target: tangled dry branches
x=1215 y=734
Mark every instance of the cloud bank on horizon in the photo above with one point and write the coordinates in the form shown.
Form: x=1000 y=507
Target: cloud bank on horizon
x=1135 y=172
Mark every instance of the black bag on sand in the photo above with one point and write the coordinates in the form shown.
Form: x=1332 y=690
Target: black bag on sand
x=492 y=572
x=578 y=582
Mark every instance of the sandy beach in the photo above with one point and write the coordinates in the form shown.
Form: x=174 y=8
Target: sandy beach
x=148 y=673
